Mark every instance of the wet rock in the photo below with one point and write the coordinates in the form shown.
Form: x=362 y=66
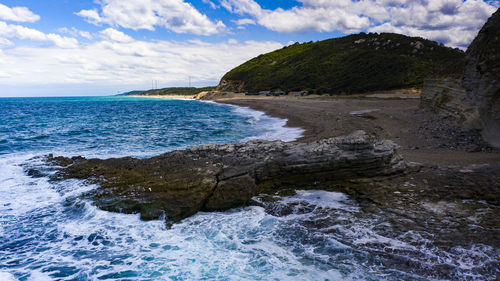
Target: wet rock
x=219 y=177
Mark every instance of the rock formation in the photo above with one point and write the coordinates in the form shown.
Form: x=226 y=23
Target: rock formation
x=481 y=77
x=446 y=97
x=218 y=177
x=474 y=100
x=231 y=86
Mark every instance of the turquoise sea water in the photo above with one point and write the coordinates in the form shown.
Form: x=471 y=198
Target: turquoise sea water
x=48 y=233
x=123 y=126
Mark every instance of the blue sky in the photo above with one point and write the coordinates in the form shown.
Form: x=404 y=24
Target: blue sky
x=66 y=47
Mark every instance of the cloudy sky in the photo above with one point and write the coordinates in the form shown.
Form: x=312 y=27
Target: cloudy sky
x=102 y=47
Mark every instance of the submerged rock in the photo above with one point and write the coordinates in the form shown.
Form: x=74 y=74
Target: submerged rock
x=218 y=177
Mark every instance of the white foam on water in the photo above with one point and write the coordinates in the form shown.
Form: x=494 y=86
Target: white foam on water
x=322 y=199
x=46 y=231
x=20 y=193
x=65 y=234
x=5 y=276
x=271 y=128
x=72 y=239
x=240 y=244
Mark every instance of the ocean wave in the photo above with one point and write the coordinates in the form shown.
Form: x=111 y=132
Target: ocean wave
x=268 y=127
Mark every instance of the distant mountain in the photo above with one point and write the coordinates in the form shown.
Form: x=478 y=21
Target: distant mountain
x=185 y=91
x=131 y=93
x=352 y=64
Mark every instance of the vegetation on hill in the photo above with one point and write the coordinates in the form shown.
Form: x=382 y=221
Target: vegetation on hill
x=183 y=91
x=352 y=64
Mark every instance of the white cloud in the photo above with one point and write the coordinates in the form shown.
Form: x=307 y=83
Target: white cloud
x=19 y=14
x=20 y=32
x=453 y=22
x=175 y=15
x=14 y=31
x=208 y=2
x=62 y=41
x=76 y=32
x=5 y=42
x=311 y=19
x=244 y=21
x=315 y=15
x=112 y=61
x=91 y=16
x=115 y=35
x=242 y=7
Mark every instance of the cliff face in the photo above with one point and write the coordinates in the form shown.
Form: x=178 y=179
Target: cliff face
x=231 y=86
x=481 y=77
x=447 y=97
x=474 y=100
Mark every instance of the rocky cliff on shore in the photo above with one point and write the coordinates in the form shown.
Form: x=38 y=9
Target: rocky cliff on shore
x=481 y=77
x=474 y=100
x=446 y=96
x=218 y=177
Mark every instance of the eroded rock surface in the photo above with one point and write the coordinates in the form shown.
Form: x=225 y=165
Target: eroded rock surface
x=481 y=77
x=446 y=97
x=218 y=177
x=474 y=100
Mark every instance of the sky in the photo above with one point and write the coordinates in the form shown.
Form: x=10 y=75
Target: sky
x=104 y=47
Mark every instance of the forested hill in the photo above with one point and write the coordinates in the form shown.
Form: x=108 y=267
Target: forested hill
x=352 y=64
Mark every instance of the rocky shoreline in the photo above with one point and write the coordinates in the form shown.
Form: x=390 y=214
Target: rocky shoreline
x=219 y=177
x=449 y=200
x=443 y=209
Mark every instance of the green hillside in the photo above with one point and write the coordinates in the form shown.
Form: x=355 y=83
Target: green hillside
x=352 y=64
x=184 y=91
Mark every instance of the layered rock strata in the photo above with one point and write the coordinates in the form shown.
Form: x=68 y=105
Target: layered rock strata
x=446 y=97
x=218 y=177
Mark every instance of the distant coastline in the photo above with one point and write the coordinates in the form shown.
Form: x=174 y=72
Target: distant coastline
x=176 y=97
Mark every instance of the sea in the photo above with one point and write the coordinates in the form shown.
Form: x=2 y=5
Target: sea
x=48 y=232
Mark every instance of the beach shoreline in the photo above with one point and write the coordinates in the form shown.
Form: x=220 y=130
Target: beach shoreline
x=394 y=116
x=397 y=119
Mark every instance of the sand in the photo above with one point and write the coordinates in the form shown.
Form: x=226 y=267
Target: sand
x=397 y=118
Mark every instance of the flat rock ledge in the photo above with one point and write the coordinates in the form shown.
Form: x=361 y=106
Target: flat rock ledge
x=218 y=177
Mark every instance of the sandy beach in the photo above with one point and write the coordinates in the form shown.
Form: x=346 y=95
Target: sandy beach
x=419 y=135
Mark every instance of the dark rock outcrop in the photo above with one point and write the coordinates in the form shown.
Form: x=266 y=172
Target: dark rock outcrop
x=474 y=100
x=219 y=177
x=481 y=77
x=231 y=86
x=446 y=97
